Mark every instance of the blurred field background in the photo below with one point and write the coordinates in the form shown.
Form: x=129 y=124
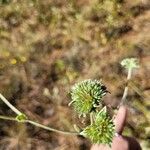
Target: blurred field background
x=48 y=45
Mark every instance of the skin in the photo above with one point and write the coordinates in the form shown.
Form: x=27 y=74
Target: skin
x=120 y=142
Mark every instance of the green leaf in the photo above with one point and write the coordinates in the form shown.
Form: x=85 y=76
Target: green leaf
x=21 y=118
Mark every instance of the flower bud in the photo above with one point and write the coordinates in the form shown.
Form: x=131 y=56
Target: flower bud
x=87 y=95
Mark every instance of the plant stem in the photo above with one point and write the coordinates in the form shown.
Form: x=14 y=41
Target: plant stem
x=29 y=121
x=10 y=105
x=125 y=93
x=91 y=118
x=50 y=129
x=7 y=118
x=39 y=125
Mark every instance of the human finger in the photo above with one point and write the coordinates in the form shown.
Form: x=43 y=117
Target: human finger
x=120 y=119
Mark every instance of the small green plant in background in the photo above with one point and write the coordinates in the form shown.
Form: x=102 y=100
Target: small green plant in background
x=87 y=101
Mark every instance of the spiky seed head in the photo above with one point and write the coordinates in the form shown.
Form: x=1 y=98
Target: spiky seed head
x=102 y=130
x=130 y=63
x=86 y=95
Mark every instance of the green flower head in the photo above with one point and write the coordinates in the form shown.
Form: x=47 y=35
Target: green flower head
x=130 y=63
x=102 y=130
x=87 y=95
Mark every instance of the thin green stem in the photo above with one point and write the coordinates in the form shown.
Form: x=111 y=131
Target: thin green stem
x=39 y=125
x=10 y=105
x=125 y=93
x=29 y=121
x=7 y=118
x=50 y=129
x=91 y=118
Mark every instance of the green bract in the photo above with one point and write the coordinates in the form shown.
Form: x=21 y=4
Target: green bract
x=102 y=130
x=130 y=63
x=21 y=118
x=87 y=95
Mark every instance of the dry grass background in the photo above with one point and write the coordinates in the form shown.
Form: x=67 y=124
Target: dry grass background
x=46 y=46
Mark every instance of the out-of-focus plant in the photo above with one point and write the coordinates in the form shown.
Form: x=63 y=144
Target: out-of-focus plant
x=5 y=1
x=12 y=58
x=87 y=100
x=110 y=10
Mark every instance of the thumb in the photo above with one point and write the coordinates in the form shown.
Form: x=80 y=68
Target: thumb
x=120 y=119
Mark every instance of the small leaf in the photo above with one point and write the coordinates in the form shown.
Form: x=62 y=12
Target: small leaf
x=21 y=118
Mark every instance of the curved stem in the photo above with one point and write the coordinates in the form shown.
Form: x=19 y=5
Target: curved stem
x=50 y=129
x=39 y=125
x=30 y=121
x=10 y=105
